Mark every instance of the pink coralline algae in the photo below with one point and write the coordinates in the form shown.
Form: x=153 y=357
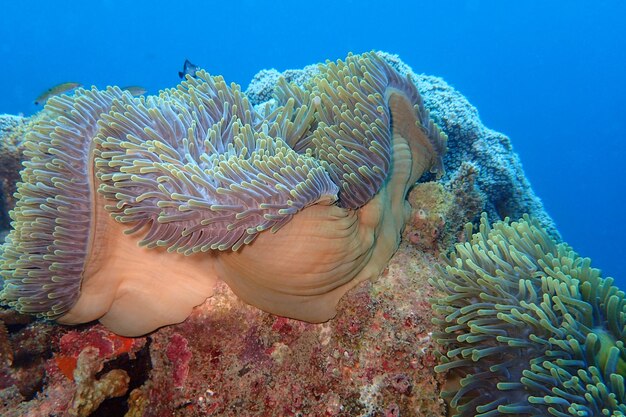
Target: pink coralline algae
x=374 y=359
x=179 y=356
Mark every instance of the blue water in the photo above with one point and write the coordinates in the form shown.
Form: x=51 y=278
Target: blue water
x=551 y=75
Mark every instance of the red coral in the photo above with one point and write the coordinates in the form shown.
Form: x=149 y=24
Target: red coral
x=179 y=355
x=109 y=345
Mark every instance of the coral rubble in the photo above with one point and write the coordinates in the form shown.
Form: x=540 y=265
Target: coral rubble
x=92 y=391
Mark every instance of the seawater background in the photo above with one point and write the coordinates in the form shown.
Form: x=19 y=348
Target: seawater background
x=549 y=74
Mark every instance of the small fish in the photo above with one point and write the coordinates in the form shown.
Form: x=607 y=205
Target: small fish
x=135 y=90
x=55 y=91
x=188 y=68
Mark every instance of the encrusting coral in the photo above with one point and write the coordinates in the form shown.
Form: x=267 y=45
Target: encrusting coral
x=113 y=183
x=530 y=327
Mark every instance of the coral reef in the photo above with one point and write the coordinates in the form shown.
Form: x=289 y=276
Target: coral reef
x=500 y=175
x=112 y=183
x=230 y=359
x=375 y=358
x=529 y=327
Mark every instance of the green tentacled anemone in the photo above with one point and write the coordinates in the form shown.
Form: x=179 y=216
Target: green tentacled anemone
x=196 y=168
x=131 y=208
x=530 y=327
x=42 y=260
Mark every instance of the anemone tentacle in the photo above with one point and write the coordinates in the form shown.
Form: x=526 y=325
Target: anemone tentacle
x=530 y=327
x=355 y=129
x=292 y=117
x=196 y=174
x=47 y=246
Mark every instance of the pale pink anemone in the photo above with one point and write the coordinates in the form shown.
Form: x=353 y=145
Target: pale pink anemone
x=130 y=208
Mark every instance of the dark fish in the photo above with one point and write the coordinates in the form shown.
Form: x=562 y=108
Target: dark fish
x=188 y=68
x=55 y=91
x=135 y=90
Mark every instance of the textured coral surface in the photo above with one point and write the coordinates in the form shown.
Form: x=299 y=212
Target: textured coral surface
x=374 y=358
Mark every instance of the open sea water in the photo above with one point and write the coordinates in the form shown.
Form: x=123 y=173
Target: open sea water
x=549 y=74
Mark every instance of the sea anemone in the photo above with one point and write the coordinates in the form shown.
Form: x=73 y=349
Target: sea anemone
x=529 y=327
x=43 y=254
x=131 y=208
